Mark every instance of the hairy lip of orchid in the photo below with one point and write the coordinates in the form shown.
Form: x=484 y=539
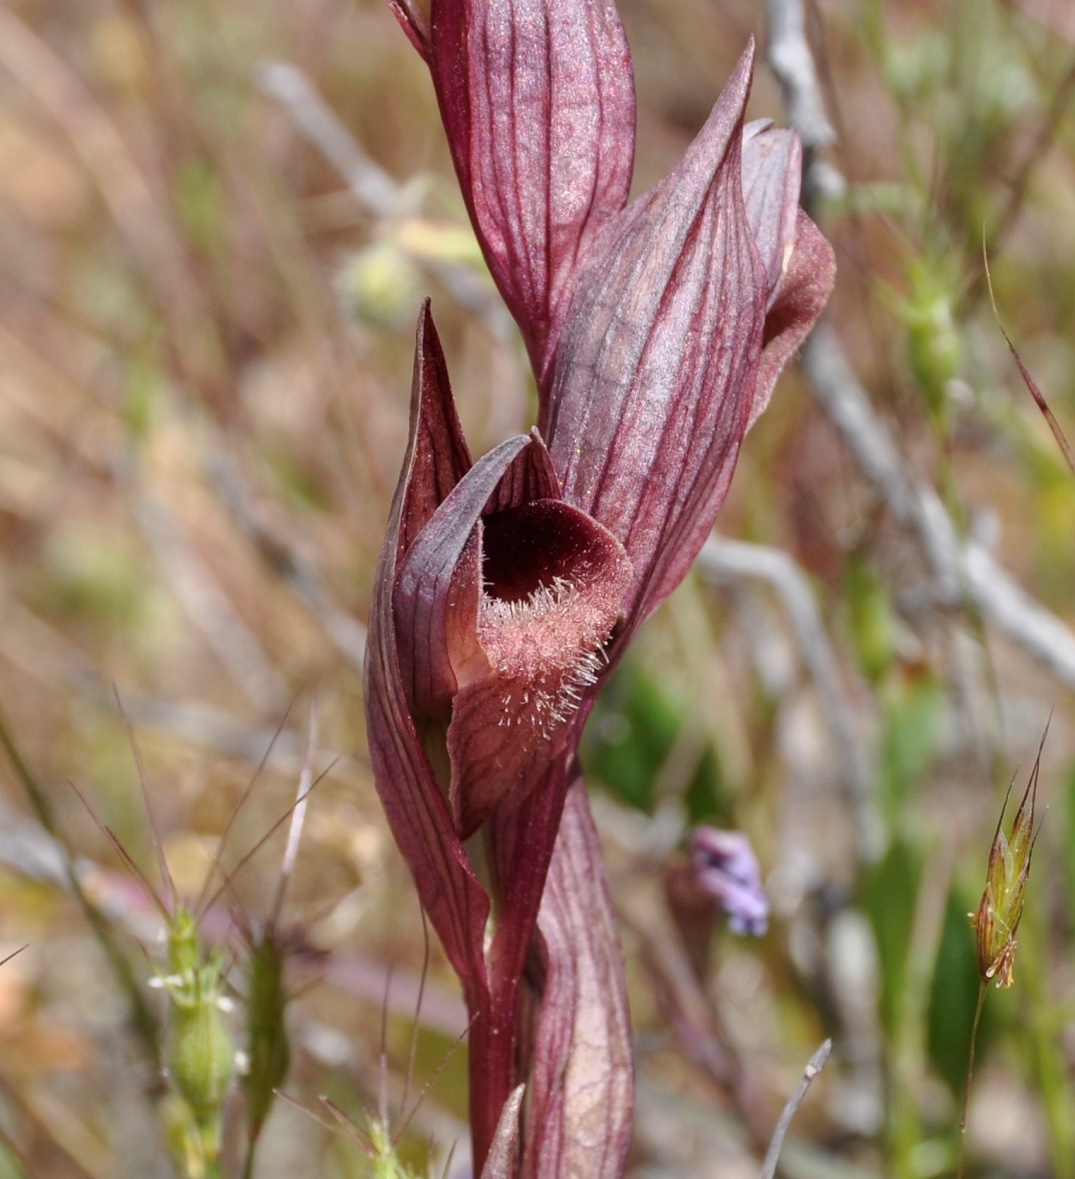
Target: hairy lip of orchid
x=550 y=601
x=552 y=583
x=502 y=603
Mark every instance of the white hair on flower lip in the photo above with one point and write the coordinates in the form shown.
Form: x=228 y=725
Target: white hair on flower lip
x=551 y=641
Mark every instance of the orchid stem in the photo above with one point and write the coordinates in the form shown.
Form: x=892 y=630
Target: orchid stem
x=982 y=988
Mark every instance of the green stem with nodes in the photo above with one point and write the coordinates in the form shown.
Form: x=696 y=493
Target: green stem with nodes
x=982 y=988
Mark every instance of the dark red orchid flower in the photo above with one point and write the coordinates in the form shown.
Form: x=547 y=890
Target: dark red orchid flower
x=508 y=586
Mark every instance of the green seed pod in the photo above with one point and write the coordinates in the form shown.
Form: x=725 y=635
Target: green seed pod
x=267 y=1049
x=934 y=345
x=201 y=1055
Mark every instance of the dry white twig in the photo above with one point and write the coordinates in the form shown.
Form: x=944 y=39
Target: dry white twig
x=230 y=736
x=209 y=608
x=722 y=560
x=346 y=633
x=964 y=572
x=814 y=1066
x=793 y=64
x=374 y=189
x=370 y=184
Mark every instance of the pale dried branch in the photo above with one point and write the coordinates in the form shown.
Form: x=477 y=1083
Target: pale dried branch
x=965 y=573
x=814 y=1066
x=345 y=632
x=724 y=560
x=138 y=208
x=371 y=186
x=793 y=64
x=210 y=609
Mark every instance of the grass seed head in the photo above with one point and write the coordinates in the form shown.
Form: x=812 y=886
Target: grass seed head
x=1000 y=910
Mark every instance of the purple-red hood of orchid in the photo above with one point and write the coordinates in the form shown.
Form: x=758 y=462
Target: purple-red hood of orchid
x=507 y=586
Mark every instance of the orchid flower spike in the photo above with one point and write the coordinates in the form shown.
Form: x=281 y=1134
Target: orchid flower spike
x=509 y=586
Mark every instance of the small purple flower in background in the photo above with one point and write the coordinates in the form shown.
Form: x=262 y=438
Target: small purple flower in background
x=725 y=868
x=508 y=587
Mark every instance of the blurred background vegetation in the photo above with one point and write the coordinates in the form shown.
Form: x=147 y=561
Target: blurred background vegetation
x=216 y=224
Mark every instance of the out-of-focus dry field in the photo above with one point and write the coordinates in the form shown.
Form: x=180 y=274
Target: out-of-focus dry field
x=216 y=224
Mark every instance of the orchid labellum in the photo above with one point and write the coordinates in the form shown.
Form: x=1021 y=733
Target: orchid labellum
x=508 y=586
